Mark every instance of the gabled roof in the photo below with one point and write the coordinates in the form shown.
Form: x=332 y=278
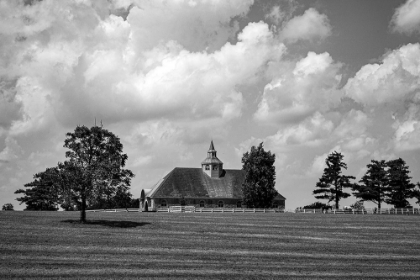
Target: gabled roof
x=193 y=182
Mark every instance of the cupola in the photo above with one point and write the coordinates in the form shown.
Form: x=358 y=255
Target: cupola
x=211 y=165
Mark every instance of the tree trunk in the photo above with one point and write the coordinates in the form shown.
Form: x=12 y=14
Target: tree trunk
x=83 y=210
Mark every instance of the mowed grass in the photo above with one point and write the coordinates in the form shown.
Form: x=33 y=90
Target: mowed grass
x=50 y=245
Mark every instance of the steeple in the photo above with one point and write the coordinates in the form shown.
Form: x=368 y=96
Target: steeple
x=211 y=165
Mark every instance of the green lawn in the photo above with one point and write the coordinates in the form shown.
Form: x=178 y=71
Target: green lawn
x=49 y=245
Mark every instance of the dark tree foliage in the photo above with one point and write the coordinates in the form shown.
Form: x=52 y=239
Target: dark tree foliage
x=93 y=176
x=332 y=182
x=400 y=187
x=118 y=197
x=98 y=159
x=374 y=184
x=315 y=205
x=258 y=188
x=7 y=207
x=42 y=193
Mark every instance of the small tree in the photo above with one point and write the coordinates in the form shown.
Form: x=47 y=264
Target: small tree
x=400 y=187
x=7 y=207
x=258 y=188
x=358 y=205
x=332 y=182
x=374 y=184
x=43 y=192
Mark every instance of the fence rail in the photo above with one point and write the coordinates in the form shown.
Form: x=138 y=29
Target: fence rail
x=115 y=210
x=192 y=209
x=389 y=211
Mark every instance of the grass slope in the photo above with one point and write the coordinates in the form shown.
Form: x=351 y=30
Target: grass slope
x=51 y=245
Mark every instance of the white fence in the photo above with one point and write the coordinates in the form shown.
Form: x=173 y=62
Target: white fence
x=115 y=210
x=192 y=209
x=389 y=211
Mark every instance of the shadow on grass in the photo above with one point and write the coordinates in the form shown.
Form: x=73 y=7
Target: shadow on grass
x=117 y=224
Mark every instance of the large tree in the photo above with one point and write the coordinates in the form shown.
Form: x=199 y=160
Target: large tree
x=400 y=186
x=374 y=184
x=98 y=160
x=332 y=183
x=260 y=174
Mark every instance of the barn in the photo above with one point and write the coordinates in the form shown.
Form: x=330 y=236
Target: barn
x=210 y=186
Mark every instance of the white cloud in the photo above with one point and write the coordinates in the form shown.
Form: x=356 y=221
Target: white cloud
x=312 y=85
x=309 y=132
x=397 y=78
x=310 y=26
x=407 y=131
x=406 y=18
x=196 y=25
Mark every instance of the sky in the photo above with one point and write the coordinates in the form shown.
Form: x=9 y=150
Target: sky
x=306 y=78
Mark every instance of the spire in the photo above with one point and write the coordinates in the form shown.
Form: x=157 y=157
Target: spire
x=211 y=146
x=212 y=156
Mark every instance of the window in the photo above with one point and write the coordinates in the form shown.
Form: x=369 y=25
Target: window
x=163 y=203
x=275 y=205
x=214 y=167
x=220 y=203
x=202 y=203
x=239 y=204
x=207 y=167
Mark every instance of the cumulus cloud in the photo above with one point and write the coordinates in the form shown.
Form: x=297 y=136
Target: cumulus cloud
x=406 y=18
x=407 y=130
x=310 y=26
x=396 y=78
x=311 y=85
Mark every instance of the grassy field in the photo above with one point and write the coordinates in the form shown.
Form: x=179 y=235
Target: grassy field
x=51 y=245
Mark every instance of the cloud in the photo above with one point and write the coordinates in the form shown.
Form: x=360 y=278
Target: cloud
x=406 y=18
x=196 y=25
x=397 y=78
x=310 y=26
x=309 y=132
x=281 y=13
x=407 y=131
x=296 y=93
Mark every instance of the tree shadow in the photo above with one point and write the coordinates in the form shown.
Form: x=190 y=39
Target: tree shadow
x=114 y=224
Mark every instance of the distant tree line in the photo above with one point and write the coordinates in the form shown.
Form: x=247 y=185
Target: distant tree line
x=384 y=182
x=92 y=176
